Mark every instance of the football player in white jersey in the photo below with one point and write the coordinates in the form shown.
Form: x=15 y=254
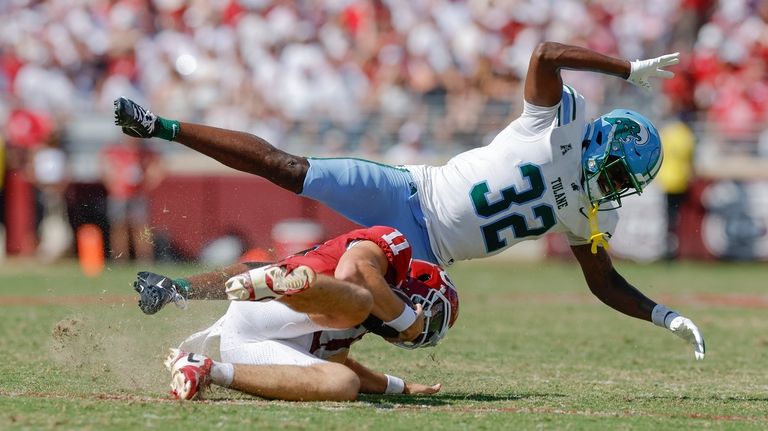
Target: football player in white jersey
x=550 y=170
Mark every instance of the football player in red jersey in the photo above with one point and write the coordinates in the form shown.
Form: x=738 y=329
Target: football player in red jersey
x=295 y=348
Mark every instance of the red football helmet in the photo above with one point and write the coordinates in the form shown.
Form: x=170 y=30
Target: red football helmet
x=430 y=286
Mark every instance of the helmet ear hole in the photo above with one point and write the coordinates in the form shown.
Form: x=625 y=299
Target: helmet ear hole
x=424 y=277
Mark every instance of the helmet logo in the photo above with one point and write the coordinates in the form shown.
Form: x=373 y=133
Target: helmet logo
x=627 y=131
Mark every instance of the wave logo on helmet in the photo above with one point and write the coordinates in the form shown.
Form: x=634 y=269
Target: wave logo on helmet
x=626 y=131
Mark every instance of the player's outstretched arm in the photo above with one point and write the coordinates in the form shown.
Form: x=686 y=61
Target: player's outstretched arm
x=543 y=83
x=613 y=290
x=374 y=382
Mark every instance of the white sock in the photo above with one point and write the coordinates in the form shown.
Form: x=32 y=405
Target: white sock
x=222 y=374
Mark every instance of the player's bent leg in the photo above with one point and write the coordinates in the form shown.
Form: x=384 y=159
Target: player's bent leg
x=284 y=369
x=333 y=303
x=321 y=381
x=269 y=282
x=253 y=322
x=326 y=381
x=330 y=302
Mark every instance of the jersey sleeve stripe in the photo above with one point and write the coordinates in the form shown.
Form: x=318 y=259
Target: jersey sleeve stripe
x=573 y=102
x=566 y=110
x=569 y=101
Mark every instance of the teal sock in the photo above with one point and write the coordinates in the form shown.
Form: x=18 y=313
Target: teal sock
x=167 y=129
x=184 y=286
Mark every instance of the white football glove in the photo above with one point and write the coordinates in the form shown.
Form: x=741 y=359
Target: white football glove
x=681 y=326
x=643 y=69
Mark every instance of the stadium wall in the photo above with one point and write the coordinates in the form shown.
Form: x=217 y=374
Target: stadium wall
x=722 y=219
x=192 y=211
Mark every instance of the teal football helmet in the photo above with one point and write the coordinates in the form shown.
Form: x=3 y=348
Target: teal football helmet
x=622 y=155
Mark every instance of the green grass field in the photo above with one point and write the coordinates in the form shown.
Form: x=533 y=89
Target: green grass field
x=532 y=349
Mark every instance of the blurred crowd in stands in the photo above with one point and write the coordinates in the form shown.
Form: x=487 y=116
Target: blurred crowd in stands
x=408 y=76
x=401 y=81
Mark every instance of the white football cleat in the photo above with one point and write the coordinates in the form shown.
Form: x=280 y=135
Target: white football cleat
x=190 y=374
x=269 y=282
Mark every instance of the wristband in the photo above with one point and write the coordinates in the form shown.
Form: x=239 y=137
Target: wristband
x=404 y=320
x=661 y=315
x=395 y=385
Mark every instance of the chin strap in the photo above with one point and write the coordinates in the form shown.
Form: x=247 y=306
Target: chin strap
x=597 y=238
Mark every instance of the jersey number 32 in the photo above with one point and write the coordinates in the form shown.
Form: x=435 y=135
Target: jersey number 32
x=503 y=212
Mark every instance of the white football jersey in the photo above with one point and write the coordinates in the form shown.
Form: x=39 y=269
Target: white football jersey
x=524 y=184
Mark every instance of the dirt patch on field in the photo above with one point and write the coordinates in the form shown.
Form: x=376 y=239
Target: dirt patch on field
x=66 y=329
x=106 y=350
x=116 y=345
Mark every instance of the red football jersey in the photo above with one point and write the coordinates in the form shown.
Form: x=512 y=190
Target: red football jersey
x=324 y=257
